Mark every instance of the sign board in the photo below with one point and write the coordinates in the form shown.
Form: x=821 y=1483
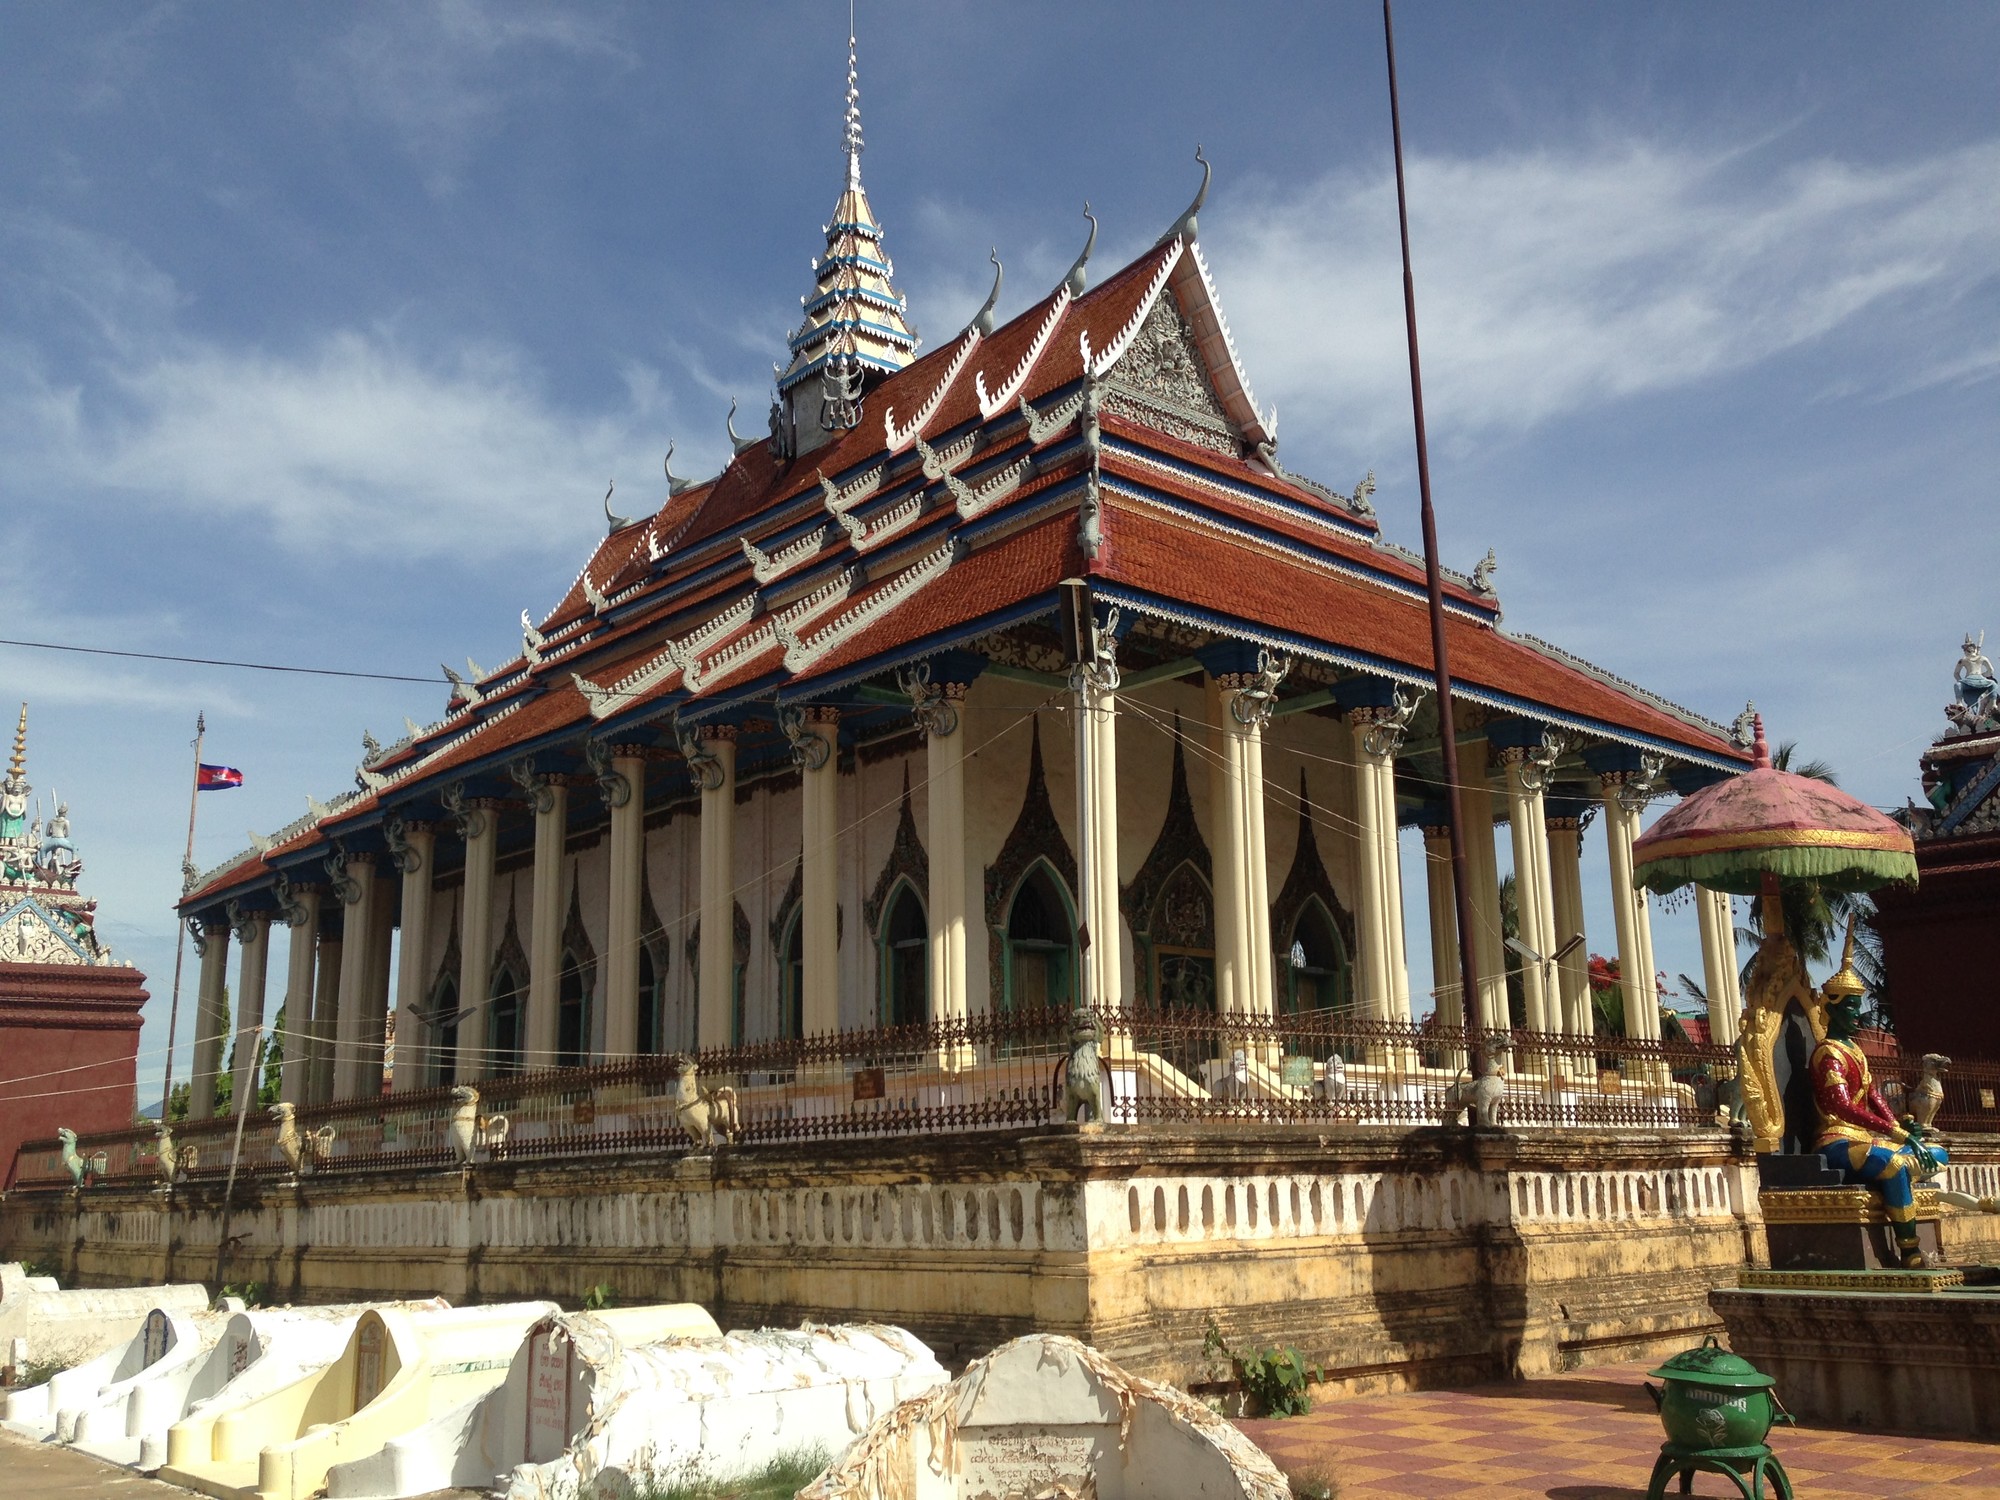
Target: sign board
x=369 y=1340
x=550 y=1357
x=1296 y=1072
x=583 y=1112
x=1986 y=1098
x=1609 y=1082
x=870 y=1083
x=1028 y=1461
x=158 y=1335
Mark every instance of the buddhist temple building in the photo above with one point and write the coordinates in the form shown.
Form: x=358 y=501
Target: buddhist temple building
x=69 y=1012
x=1012 y=672
x=1940 y=938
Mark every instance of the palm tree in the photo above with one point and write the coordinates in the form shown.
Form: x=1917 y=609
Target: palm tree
x=1816 y=919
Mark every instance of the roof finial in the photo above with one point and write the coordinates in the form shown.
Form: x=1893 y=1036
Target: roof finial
x=1076 y=272
x=1185 y=224
x=983 y=319
x=852 y=143
x=19 y=768
x=1760 y=748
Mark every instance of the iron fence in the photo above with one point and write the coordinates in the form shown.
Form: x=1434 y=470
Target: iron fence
x=996 y=1072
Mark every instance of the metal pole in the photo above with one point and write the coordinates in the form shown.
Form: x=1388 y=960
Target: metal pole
x=236 y=1155
x=180 y=939
x=1440 y=655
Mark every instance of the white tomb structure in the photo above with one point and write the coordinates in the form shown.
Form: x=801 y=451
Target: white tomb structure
x=705 y=1409
x=40 y=1322
x=397 y=1369
x=252 y=1353
x=165 y=1342
x=1050 y=1417
x=528 y=1415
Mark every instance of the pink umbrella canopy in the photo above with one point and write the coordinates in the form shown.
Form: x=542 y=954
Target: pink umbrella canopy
x=1729 y=836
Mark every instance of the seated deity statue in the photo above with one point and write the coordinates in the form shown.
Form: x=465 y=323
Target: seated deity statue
x=1976 y=688
x=1859 y=1134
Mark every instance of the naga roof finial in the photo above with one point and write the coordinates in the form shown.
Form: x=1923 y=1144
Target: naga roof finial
x=1185 y=224
x=612 y=522
x=18 y=767
x=675 y=484
x=1076 y=278
x=983 y=319
x=851 y=141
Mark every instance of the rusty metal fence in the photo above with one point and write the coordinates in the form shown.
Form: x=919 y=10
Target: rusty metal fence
x=1008 y=1071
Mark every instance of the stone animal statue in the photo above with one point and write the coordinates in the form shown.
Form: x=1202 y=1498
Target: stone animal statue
x=1481 y=1095
x=1926 y=1095
x=1083 y=1084
x=83 y=1170
x=302 y=1153
x=170 y=1161
x=1333 y=1085
x=469 y=1129
x=707 y=1115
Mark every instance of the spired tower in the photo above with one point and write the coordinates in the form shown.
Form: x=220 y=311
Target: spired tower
x=69 y=1012
x=855 y=334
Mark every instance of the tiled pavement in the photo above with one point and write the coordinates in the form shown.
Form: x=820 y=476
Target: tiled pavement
x=1588 y=1436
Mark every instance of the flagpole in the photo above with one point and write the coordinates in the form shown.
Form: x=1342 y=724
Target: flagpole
x=1433 y=579
x=180 y=926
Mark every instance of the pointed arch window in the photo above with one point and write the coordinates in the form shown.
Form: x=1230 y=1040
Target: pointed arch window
x=573 y=1013
x=652 y=1003
x=905 y=959
x=443 y=1028
x=1041 y=944
x=1183 y=932
x=503 y=1022
x=1318 y=975
x=792 y=979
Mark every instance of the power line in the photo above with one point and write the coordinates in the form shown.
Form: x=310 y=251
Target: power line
x=207 y=661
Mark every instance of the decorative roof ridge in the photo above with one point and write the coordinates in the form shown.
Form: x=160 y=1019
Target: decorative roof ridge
x=1978 y=787
x=801 y=653
x=990 y=406
x=1305 y=506
x=1612 y=679
x=766 y=567
x=898 y=438
x=1404 y=588
x=780 y=628
x=1100 y=365
x=1263 y=427
x=865 y=536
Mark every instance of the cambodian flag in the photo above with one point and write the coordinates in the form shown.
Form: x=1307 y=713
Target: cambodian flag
x=217 y=778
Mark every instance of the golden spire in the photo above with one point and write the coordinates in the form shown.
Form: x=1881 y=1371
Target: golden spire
x=20 y=762
x=1847 y=979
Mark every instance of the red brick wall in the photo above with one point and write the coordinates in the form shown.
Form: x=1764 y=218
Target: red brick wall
x=69 y=1044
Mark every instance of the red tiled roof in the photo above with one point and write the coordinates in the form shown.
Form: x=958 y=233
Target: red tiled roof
x=1169 y=556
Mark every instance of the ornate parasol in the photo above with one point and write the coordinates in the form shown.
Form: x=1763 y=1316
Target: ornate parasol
x=1736 y=835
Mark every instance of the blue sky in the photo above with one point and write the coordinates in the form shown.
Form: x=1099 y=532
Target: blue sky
x=322 y=328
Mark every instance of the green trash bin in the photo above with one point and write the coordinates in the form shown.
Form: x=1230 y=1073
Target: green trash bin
x=1717 y=1409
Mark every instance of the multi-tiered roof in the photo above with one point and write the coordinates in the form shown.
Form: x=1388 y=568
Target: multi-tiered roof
x=1107 y=434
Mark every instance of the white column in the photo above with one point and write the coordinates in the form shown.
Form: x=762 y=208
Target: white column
x=625 y=792
x=1239 y=795
x=1235 y=987
x=480 y=824
x=1475 y=803
x=1565 y=837
x=1718 y=964
x=1628 y=906
x=253 y=931
x=211 y=1018
x=357 y=894
x=1390 y=827
x=716 y=772
x=416 y=859
x=1447 y=984
x=1372 y=988
x=1532 y=886
x=550 y=800
x=302 y=916
x=1096 y=729
x=373 y=1027
x=326 y=991
x=819 y=874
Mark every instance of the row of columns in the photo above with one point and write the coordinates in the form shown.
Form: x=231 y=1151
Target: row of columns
x=338 y=976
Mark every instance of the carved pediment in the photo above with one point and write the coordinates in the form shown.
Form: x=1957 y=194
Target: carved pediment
x=1163 y=382
x=31 y=935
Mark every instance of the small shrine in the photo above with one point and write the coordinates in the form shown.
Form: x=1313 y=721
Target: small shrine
x=69 y=1012
x=1939 y=938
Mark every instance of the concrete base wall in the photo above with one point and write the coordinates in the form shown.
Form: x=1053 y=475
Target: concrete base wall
x=1392 y=1257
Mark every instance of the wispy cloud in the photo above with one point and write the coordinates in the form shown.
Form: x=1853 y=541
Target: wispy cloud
x=359 y=444
x=1552 y=281
x=443 y=75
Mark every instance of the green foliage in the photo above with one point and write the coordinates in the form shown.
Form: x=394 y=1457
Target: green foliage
x=780 y=1479
x=1311 y=1481
x=599 y=1297
x=39 y=1371
x=253 y=1293
x=1276 y=1380
x=43 y=1267
x=269 y=1090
